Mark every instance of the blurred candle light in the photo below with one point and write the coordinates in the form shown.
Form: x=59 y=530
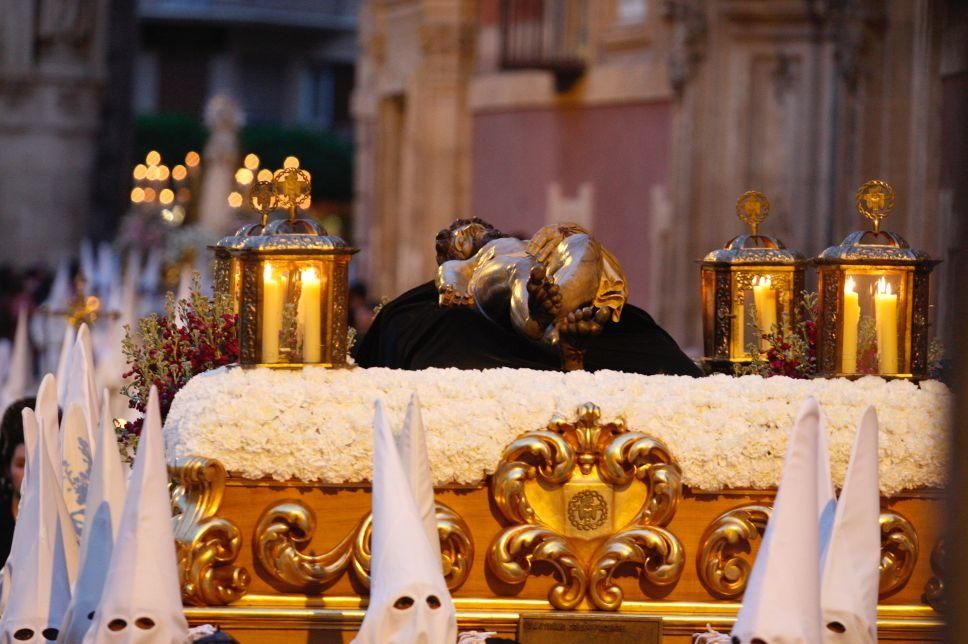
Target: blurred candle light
x=152 y=173
x=244 y=176
x=251 y=161
x=235 y=199
x=290 y=162
x=150 y=194
x=163 y=173
x=140 y=171
x=153 y=158
x=178 y=173
x=265 y=174
x=192 y=159
x=137 y=195
x=166 y=196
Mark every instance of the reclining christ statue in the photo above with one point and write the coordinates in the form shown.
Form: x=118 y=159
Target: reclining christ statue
x=502 y=301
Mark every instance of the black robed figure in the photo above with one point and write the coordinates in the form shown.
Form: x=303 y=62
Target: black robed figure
x=556 y=301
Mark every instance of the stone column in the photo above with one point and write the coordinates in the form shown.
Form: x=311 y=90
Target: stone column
x=52 y=56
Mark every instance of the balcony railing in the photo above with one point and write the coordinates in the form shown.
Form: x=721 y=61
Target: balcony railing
x=545 y=34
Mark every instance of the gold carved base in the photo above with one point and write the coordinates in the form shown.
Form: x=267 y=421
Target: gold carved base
x=581 y=515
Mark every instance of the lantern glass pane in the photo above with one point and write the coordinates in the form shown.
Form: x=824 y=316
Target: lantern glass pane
x=294 y=319
x=235 y=283
x=875 y=324
x=762 y=303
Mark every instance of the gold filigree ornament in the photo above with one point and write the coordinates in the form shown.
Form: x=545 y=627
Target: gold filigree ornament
x=899 y=552
x=207 y=545
x=293 y=188
x=753 y=208
x=282 y=533
x=285 y=529
x=723 y=564
x=586 y=497
x=456 y=548
x=875 y=200
x=934 y=588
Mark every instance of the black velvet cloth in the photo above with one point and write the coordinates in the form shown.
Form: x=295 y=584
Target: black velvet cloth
x=412 y=332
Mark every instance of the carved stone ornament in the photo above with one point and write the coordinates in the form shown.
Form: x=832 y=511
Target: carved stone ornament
x=587 y=486
x=285 y=530
x=207 y=545
x=723 y=563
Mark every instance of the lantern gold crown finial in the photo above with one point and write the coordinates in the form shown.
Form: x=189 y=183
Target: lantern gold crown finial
x=753 y=208
x=875 y=200
x=292 y=187
x=263 y=199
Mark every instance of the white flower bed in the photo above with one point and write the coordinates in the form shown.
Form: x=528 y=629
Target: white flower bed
x=315 y=424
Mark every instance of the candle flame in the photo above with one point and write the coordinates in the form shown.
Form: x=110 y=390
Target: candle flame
x=309 y=275
x=763 y=280
x=849 y=286
x=267 y=272
x=884 y=287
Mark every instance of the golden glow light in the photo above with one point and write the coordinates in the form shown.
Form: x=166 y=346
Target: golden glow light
x=243 y=176
x=137 y=195
x=290 y=162
x=163 y=173
x=265 y=174
x=150 y=194
x=166 y=196
x=235 y=199
x=140 y=171
x=179 y=172
x=153 y=158
x=152 y=173
x=251 y=161
x=884 y=287
x=192 y=159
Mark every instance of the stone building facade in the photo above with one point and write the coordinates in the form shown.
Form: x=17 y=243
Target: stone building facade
x=674 y=108
x=52 y=73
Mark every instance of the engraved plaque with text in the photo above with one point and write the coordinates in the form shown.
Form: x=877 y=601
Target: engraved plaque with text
x=571 y=628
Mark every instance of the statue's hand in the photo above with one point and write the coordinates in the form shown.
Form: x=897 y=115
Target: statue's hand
x=449 y=298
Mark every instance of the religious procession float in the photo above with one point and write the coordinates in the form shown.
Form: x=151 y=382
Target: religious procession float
x=588 y=482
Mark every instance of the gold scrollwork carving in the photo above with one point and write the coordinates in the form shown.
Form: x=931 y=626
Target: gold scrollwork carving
x=207 y=545
x=722 y=570
x=515 y=550
x=899 y=552
x=656 y=550
x=282 y=532
x=934 y=588
x=609 y=458
x=456 y=548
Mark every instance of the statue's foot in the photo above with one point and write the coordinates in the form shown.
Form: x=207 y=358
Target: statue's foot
x=544 y=300
x=574 y=331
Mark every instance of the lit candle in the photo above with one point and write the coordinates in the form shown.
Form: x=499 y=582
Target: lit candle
x=885 y=318
x=764 y=297
x=851 y=322
x=310 y=315
x=738 y=331
x=273 y=299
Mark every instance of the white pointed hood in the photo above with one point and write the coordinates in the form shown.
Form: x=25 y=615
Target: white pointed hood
x=782 y=600
x=20 y=374
x=849 y=586
x=105 y=502
x=76 y=457
x=409 y=600
x=60 y=289
x=141 y=601
x=826 y=496
x=412 y=444
x=81 y=388
x=39 y=578
x=21 y=539
x=64 y=362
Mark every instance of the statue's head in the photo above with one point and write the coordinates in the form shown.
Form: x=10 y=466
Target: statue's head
x=463 y=238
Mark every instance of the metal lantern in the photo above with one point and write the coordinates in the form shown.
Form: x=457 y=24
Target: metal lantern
x=874 y=291
x=749 y=286
x=294 y=287
x=226 y=271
